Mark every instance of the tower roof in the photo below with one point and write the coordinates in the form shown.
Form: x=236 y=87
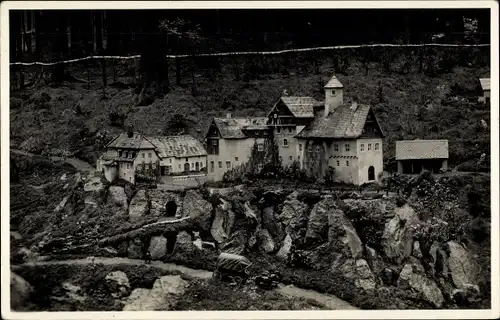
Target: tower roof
x=334 y=83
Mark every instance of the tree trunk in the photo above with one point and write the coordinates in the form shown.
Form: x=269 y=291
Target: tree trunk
x=104 y=35
x=68 y=34
x=94 y=30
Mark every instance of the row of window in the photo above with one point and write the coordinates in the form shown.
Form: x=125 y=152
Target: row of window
x=285 y=130
x=336 y=147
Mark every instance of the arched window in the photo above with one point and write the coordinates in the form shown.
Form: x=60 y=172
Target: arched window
x=285 y=142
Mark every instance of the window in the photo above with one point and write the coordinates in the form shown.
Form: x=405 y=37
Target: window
x=362 y=147
x=235 y=158
x=260 y=147
x=220 y=164
x=347 y=147
x=300 y=146
x=285 y=143
x=369 y=146
x=143 y=155
x=228 y=164
x=149 y=155
x=317 y=148
x=336 y=147
x=179 y=165
x=334 y=93
x=192 y=166
x=126 y=154
x=170 y=160
x=309 y=148
x=265 y=133
x=377 y=146
x=278 y=129
x=338 y=163
x=128 y=165
x=347 y=163
x=290 y=129
x=139 y=167
x=291 y=158
x=187 y=159
x=212 y=166
x=298 y=157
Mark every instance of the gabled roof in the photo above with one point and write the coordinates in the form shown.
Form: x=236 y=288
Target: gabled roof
x=485 y=83
x=300 y=107
x=334 y=83
x=232 y=128
x=177 y=146
x=421 y=149
x=136 y=141
x=346 y=121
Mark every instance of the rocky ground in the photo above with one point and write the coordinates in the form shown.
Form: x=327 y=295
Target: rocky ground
x=427 y=250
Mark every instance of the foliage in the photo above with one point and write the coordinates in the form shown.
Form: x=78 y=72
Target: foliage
x=117 y=119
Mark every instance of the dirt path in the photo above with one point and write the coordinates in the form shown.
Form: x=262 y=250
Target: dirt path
x=78 y=164
x=329 y=301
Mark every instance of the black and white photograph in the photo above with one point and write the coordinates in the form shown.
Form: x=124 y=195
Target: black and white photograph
x=249 y=157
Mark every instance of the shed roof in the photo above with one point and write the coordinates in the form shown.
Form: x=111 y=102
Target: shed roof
x=177 y=146
x=232 y=128
x=485 y=83
x=421 y=149
x=346 y=121
x=301 y=107
x=334 y=83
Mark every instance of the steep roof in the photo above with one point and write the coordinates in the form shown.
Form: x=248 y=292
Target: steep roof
x=346 y=121
x=301 y=107
x=136 y=141
x=334 y=83
x=485 y=83
x=232 y=128
x=177 y=146
x=421 y=149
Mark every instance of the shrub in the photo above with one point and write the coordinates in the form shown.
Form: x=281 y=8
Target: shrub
x=117 y=119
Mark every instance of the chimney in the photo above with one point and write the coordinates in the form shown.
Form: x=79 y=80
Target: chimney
x=130 y=131
x=354 y=106
x=228 y=116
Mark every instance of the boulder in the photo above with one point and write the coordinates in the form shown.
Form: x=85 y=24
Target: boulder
x=292 y=210
x=198 y=209
x=397 y=239
x=134 y=250
x=285 y=248
x=439 y=262
x=184 y=242
x=341 y=233
x=416 y=252
x=20 y=292
x=64 y=177
x=374 y=260
x=118 y=284
x=159 y=199
x=388 y=276
x=462 y=268
x=365 y=278
x=69 y=294
x=466 y=296
x=158 y=247
x=265 y=241
x=117 y=198
x=162 y=296
x=412 y=276
x=249 y=211
x=139 y=205
x=95 y=190
x=223 y=222
x=269 y=222
x=318 y=220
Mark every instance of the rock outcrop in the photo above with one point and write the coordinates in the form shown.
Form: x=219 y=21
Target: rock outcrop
x=198 y=209
x=20 y=292
x=397 y=239
x=95 y=190
x=223 y=222
x=118 y=284
x=341 y=233
x=158 y=247
x=139 y=206
x=461 y=266
x=318 y=221
x=412 y=276
x=265 y=241
x=285 y=248
x=117 y=198
x=161 y=297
